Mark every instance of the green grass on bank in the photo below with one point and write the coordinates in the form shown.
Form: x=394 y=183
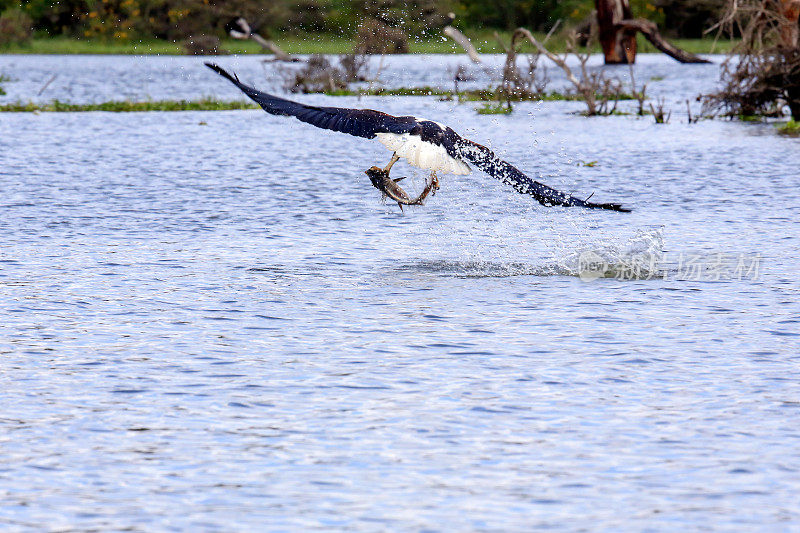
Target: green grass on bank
x=205 y=104
x=484 y=41
x=494 y=108
x=693 y=46
x=210 y=104
x=790 y=129
x=472 y=95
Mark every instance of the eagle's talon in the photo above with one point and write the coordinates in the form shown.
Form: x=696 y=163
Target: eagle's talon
x=434 y=184
x=390 y=189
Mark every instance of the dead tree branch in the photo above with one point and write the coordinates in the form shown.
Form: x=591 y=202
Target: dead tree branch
x=650 y=31
x=522 y=33
x=279 y=54
x=594 y=88
x=464 y=42
x=762 y=73
x=240 y=29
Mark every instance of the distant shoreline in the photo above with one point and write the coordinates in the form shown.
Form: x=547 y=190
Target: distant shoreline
x=306 y=44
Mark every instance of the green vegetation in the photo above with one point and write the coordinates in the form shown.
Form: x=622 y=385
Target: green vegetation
x=472 y=95
x=791 y=128
x=211 y=104
x=315 y=26
x=751 y=118
x=206 y=104
x=693 y=46
x=177 y=19
x=484 y=41
x=71 y=45
x=400 y=91
x=495 y=108
x=608 y=113
x=2 y=79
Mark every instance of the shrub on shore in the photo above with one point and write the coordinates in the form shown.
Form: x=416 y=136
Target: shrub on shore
x=15 y=27
x=203 y=45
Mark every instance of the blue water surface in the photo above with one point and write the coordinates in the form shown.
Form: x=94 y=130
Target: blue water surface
x=210 y=321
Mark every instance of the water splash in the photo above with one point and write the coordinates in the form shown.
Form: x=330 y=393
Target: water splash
x=641 y=257
x=638 y=258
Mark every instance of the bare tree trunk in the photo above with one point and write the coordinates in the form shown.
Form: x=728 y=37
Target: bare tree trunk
x=619 y=44
x=618 y=28
x=790 y=32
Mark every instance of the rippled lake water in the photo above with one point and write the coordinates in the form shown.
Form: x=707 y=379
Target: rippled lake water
x=210 y=321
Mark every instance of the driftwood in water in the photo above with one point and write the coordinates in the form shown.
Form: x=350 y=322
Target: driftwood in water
x=617 y=32
x=239 y=29
x=464 y=42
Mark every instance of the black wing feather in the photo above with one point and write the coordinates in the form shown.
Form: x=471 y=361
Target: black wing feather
x=358 y=122
x=367 y=123
x=486 y=160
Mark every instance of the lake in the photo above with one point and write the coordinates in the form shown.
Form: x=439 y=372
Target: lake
x=211 y=322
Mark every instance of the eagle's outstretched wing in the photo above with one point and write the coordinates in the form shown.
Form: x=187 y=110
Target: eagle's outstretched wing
x=486 y=160
x=359 y=122
x=423 y=138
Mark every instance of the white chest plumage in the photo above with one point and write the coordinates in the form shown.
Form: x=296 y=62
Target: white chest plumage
x=422 y=154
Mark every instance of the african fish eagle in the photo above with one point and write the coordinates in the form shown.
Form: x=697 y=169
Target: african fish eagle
x=423 y=143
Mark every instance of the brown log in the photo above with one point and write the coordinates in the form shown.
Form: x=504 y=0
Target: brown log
x=790 y=30
x=619 y=44
x=650 y=31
